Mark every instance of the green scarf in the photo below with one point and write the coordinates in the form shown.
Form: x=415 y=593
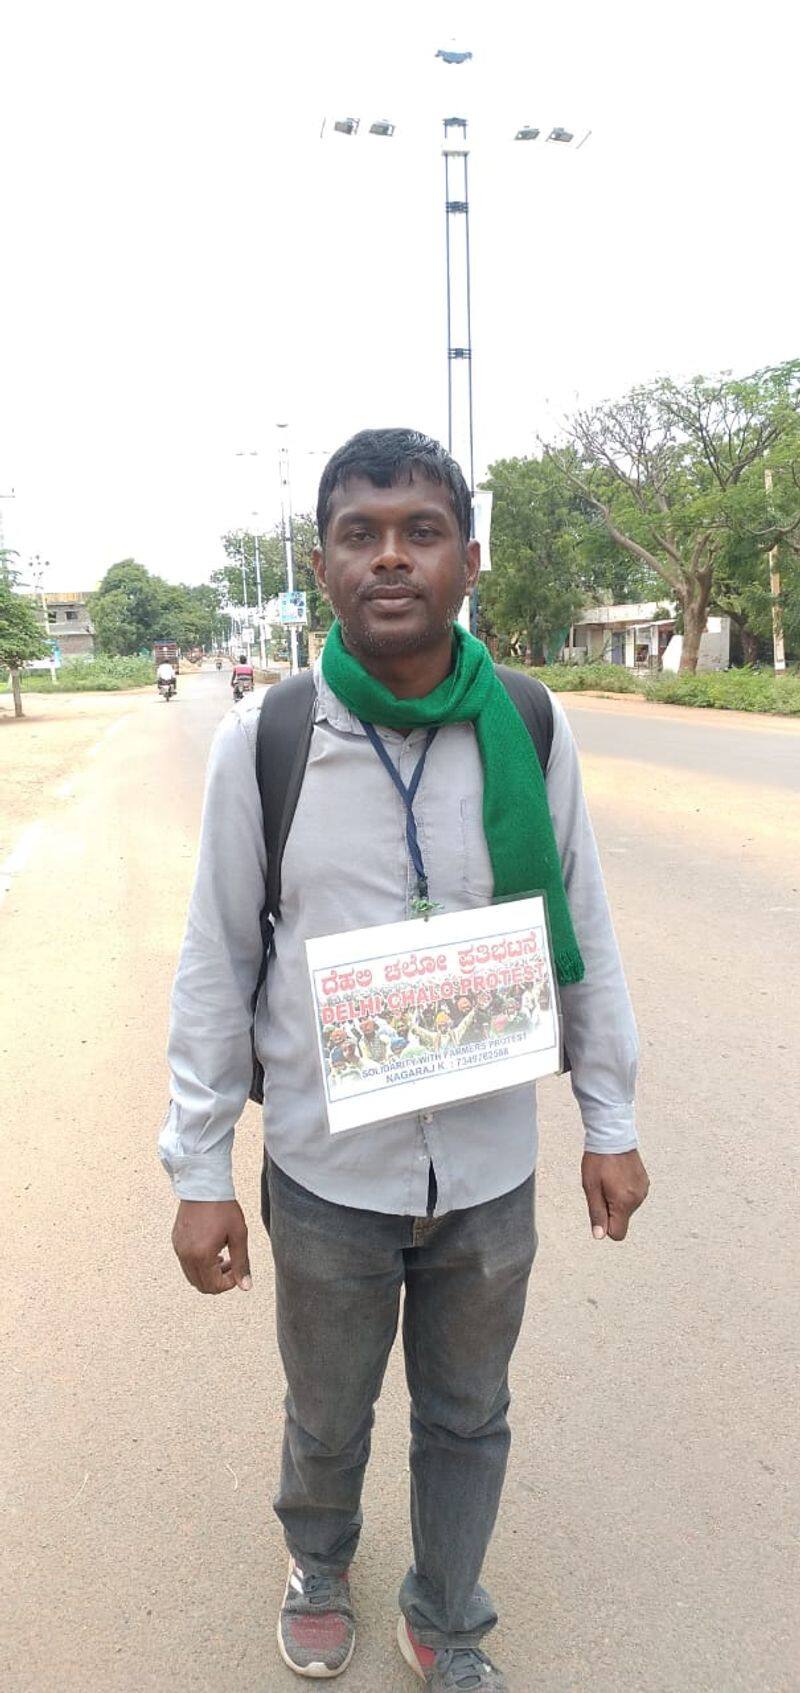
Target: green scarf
x=516 y=815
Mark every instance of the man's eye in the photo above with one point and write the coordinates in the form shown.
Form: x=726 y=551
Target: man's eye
x=357 y=535
x=423 y=532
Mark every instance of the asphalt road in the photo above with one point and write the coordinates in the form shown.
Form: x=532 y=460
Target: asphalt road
x=646 y=1539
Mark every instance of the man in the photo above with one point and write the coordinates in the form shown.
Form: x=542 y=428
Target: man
x=242 y=676
x=166 y=673
x=440 y=1203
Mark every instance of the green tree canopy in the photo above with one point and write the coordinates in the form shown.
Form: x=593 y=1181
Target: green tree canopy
x=673 y=471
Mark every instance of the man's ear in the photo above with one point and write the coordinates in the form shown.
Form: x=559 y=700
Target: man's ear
x=318 y=564
x=473 y=562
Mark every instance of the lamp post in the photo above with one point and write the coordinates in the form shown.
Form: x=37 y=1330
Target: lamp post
x=778 y=648
x=261 y=643
x=286 y=529
x=460 y=406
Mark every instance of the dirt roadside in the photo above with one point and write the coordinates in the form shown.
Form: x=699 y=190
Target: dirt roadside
x=47 y=747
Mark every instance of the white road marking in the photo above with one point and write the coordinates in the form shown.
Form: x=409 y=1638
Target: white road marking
x=114 y=728
x=93 y=751
x=20 y=856
x=18 y=859
x=64 y=790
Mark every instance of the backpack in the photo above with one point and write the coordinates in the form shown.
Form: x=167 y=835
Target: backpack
x=285 y=727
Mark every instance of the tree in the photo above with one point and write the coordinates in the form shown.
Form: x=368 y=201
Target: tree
x=535 y=587
x=239 y=547
x=673 y=469
x=125 y=610
x=21 y=636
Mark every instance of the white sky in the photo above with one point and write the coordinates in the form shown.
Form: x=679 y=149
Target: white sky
x=185 y=263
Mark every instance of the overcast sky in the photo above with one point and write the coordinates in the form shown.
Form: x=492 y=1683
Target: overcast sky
x=185 y=263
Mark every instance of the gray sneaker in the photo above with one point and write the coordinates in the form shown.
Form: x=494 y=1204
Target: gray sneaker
x=460 y=1669
x=316 y=1626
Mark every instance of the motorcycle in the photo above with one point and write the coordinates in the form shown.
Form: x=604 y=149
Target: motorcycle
x=219 y=663
x=166 y=690
x=243 y=685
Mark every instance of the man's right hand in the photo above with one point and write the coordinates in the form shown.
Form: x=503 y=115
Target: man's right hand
x=202 y=1231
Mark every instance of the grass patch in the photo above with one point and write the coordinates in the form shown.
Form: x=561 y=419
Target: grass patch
x=90 y=676
x=718 y=690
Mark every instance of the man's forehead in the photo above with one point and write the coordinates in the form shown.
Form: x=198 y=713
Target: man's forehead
x=410 y=493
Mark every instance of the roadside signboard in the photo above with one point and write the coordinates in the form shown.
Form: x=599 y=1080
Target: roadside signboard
x=292 y=609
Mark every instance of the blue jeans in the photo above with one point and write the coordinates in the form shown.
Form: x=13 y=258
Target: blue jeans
x=338 y=1276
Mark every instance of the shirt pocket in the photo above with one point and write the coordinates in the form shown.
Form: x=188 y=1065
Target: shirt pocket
x=477 y=878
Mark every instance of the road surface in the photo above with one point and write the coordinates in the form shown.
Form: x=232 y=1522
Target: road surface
x=645 y=1544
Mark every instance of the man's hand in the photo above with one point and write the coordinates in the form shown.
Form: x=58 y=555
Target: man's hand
x=615 y=1184
x=202 y=1230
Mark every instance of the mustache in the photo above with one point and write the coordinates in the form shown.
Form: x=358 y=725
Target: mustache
x=389 y=585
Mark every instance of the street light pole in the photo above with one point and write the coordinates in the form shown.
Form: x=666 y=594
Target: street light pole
x=286 y=528
x=261 y=643
x=459 y=316
x=779 y=653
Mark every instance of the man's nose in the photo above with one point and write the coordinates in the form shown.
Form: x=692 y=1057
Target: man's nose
x=392 y=553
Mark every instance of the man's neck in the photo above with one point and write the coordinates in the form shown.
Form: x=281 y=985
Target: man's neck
x=410 y=676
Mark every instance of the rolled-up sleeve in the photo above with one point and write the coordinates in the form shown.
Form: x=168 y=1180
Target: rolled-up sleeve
x=209 y=1050
x=599 y=1027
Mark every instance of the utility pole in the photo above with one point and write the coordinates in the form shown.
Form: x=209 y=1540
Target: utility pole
x=779 y=655
x=286 y=527
x=261 y=644
x=460 y=412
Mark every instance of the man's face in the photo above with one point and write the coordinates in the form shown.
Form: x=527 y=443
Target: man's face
x=394 y=565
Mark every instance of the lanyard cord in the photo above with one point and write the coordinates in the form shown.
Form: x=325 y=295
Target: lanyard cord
x=407 y=795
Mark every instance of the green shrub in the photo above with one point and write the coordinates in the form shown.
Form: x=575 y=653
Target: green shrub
x=720 y=690
x=603 y=678
x=91 y=676
x=729 y=690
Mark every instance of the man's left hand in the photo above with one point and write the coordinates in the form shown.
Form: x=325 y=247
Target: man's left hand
x=615 y=1184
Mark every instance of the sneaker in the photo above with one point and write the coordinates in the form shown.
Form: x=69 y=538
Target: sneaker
x=316 y=1626
x=459 y=1669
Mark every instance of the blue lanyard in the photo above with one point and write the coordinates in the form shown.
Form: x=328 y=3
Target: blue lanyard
x=407 y=795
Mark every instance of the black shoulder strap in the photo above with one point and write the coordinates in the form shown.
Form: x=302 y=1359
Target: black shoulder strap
x=534 y=705
x=285 y=723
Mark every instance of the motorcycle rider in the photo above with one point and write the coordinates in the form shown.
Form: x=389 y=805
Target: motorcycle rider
x=166 y=673
x=242 y=676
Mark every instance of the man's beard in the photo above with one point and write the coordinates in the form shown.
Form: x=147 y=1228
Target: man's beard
x=392 y=643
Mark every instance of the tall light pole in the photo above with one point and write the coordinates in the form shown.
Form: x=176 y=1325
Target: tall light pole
x=778 y=649
x=261 y=644
x=286 y=528
x=460 y=407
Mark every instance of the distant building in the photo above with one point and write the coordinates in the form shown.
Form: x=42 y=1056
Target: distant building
x=642 y=637
x=69 y=623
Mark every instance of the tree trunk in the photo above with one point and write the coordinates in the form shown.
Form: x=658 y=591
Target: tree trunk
x=695 y=609
x=16 y=691
x=750 y=646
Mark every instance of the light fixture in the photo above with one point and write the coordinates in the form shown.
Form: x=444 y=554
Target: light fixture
x=527 y=133
x=381 y=127
x=347 y=126
x=560 y=135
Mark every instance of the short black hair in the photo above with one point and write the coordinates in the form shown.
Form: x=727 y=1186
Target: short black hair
x=385 y=457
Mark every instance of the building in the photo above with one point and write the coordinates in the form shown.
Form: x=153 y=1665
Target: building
x=69 y=624
x=642 y=637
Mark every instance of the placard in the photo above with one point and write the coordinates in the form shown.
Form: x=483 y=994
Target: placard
x=415 y=1015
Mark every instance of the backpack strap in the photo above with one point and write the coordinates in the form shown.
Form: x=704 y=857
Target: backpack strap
x=534 y=705
x=285 y=726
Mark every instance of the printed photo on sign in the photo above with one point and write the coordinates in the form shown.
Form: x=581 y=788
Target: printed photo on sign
x=412 y=1015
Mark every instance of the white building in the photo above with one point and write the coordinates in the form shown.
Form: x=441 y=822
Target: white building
x=642 y=637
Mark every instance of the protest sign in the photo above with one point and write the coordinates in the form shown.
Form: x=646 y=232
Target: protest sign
x=415 y=1015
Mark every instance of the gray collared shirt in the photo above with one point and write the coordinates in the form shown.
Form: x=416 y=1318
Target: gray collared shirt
x=345 y=867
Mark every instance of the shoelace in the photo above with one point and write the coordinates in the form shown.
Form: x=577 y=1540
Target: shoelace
x=320 y=1590
x=462 y=1667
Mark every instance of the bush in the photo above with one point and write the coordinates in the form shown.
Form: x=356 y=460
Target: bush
x=729 y=690
x=720 y=690
x=91 y=676
x=575 y=678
